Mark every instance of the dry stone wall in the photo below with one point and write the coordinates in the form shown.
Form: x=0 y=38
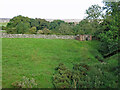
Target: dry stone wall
x=4 y=35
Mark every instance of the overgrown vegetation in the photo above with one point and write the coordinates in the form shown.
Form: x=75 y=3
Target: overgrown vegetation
x=84 y=76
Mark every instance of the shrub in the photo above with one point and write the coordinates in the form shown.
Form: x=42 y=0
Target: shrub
x=25 y=83
x=65 y=78
x=33 y=30
x=46 y=31
x=84 y=76
x=62 y=78
x=39 y=32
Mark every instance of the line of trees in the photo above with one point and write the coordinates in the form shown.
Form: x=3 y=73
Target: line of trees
x=25 y=25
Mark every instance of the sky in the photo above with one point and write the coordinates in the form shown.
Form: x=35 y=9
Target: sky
x=46 y=9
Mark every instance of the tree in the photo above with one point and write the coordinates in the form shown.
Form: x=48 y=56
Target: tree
x=94 y=12
x=18 y=24
x=109 y=37
x=22 y=28
x=94 y=17
x=42 y=24
x=16 y=20
x=64 y=29
x=34 y=23
x=86 y=27
x=54 y=24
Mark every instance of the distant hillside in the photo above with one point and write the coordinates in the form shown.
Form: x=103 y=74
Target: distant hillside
x=2 y=20
x=50 y=20
x=66 y=20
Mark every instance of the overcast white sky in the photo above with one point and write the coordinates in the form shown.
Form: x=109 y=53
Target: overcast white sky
x=47 y=9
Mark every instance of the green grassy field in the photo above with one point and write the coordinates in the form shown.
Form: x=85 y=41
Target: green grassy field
x=37 y=58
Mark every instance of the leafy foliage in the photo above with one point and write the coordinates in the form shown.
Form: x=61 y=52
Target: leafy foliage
x=42 y=24
x=62 y=78
x=33 y=30
x=55 y=24
x=23 y=25
x=46 y=31
x=94 y=12
x=84 y=76
x=64 y=29
x=22 y=28
x=110 y=25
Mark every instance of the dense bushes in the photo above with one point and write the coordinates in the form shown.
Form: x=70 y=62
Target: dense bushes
x=84 y=76
x=62 y=79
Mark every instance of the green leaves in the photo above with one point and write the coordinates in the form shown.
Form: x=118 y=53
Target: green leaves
x=33 y=30
x=94 y=12
x=111 y=27
x=84 y=76
x=22 y=28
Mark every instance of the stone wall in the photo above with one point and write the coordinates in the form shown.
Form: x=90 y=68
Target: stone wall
x=4 y=35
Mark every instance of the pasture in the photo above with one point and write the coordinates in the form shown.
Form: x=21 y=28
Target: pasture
x=37 y=58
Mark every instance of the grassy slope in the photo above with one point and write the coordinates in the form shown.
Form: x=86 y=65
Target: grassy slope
x=38 y=58
x=112 y=61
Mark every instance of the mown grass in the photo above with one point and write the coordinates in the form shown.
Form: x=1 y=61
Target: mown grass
x=37 y=58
